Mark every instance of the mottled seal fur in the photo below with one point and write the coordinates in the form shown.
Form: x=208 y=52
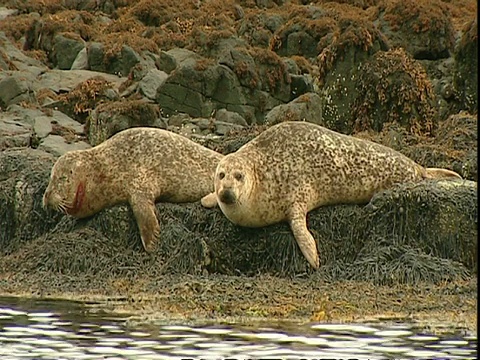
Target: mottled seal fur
x=139 y=166
x=294 y=167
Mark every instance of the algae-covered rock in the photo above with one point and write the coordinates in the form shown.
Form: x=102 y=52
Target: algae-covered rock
x=392 y=87
x=422 y=27
x=110 y=118
x=431 y=225
x=466 y=68
x=24 y=174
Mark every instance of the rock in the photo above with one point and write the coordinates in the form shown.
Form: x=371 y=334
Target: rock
x=339 y=66
x=66 y=80
x=307 y=107
x=19 y=60
x=43 y=126
x=292 y=66
x=5 y=12
x=95 y=56
x=231 y=117
x=15 y=89
x=466 y=68
x=24 y=175
x=259 y=27
x=57 y=145
x=196 y=91
x=13 y=132
x=393 y=87
x=110 y=118
x=125 y=62
x=66 y=122
x=171 y=59
x=178 y=119
x=150 y=83
x=81 y=61
x=423 y=29
x=66 y=49
x=223 y=128
x=300 y=84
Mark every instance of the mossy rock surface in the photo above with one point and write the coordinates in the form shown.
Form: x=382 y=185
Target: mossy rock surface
x=411 y=233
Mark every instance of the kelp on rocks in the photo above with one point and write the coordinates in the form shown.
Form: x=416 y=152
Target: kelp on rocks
x=408 y=234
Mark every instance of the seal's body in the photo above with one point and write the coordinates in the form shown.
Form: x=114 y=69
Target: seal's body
x=294 y=167
x=139 y=166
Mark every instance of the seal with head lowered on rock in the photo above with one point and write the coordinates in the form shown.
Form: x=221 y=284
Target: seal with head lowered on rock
x=294 y=167
x=140 y=166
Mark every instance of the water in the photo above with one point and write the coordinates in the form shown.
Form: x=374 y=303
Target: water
x=41 y=329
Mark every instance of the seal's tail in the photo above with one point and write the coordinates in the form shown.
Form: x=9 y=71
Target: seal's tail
x=436 y=173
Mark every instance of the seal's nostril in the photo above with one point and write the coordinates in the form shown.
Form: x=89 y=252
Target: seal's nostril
x=227 y=196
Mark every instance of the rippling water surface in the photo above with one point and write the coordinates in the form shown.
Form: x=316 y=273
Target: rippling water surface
x=38 y=329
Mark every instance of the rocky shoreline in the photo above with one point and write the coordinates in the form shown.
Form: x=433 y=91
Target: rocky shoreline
x=401 y=74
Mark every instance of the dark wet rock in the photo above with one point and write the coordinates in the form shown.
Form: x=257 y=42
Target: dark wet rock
x=466 y=68
x=258 y=27
x=300 y=84
x=66 y=49
x=96 y=57
x=194 y=88
x=423 y=28
x=302 y=37
x=122 y=63
x=307 y=107
x=292 y=66
x=119 y=62
x=230 y=117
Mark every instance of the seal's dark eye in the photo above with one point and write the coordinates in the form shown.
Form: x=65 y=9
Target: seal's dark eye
x=238 y=176
x=221 y=175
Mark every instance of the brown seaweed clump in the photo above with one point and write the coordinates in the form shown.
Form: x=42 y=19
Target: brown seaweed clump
x=392 y=87
x=433 y=32
x=81 y=100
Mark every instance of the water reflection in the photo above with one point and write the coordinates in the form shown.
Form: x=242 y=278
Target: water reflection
x=66 y=330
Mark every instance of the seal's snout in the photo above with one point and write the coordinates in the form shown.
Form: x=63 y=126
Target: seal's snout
x=227 y=196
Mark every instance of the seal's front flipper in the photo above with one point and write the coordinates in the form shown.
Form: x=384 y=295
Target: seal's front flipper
x=143 y=207
x=209 y=201
x=305 y=240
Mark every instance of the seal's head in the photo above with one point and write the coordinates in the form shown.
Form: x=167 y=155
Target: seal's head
x=66 y=189
x=234 y=181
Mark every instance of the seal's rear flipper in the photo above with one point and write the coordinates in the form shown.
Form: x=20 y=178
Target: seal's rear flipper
x=437 y=173
x=143 y=207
